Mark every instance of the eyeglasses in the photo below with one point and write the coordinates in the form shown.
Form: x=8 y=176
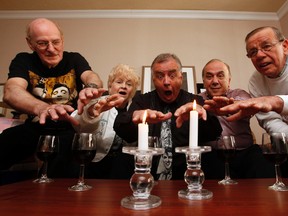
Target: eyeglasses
x=265 y=48
x=42 y=45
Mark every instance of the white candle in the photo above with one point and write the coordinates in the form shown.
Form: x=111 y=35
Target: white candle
x=143 y=134
x=193 y=135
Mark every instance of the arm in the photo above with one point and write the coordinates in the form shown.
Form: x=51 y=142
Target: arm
x=89 y=76
x=259 y=86
x=124 y=126
x=16 y=96
x=245 y=108
x=88 y=120
x=95 y=90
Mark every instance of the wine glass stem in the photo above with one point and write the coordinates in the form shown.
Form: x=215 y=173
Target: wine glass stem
x=45 y=165
x=278 y=174
x=227 y=171
x=81 y=174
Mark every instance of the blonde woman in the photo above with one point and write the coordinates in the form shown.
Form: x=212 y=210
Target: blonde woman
x=122 y=86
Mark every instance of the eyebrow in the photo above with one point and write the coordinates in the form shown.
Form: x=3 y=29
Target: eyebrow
x=216 y=72
x=169 y=71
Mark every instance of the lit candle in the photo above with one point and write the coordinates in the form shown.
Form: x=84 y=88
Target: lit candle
x=193 y=135
x=143 y=133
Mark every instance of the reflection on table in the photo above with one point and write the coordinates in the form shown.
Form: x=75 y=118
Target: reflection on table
x=249 y=197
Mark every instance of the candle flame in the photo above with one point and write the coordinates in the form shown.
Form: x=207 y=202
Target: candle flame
x=144 y=117
x=194 y=105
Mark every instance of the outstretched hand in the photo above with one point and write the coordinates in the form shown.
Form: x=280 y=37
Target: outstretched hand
x=86 y=95
x=214 y=105
x=153 y=116
x=251 y=106
x=57 y=112
x=104 y=104
x=183 y=113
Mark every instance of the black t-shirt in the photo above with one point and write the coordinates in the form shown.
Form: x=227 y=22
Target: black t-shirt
x=58 y=85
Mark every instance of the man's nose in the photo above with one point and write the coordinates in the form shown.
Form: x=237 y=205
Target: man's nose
x=50 y=47
x=215 y=79
x=167 y=80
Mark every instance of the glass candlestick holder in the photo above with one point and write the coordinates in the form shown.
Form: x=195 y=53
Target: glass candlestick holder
x=194 y=176
x=142 y=182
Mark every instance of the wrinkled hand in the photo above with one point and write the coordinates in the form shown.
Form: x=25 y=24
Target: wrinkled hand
x=153 y=116
x=214 y=105
x=249 y=107
x=86 y=95
x=183 y=113
x=56 y=112
x=104 y=104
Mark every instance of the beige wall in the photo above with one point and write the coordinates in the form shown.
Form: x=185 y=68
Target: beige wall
x=107 y=42
x=284 y=24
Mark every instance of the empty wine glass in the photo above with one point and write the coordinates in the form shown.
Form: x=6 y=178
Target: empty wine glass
x=226 y=150
x=84 y=150
x=47 y=149
x=275 y=149
x=153 y=142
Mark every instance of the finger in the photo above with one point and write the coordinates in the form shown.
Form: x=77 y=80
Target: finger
x=179 y=122
x=42 y=117
x=80 y=107
x=234 y=117
x=204 y=114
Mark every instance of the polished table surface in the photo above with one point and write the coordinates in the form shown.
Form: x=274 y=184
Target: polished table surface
x=249 y=197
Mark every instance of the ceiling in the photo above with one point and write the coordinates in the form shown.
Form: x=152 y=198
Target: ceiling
x=209 y=5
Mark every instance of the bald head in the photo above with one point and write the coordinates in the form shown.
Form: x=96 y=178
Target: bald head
x=43 y=23
x=46 y=39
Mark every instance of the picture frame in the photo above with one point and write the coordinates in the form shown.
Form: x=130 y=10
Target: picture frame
x=189 y=79
x=1 y=91
x=200 y=88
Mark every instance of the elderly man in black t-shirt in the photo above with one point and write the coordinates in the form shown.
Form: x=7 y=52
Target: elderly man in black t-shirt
x=45 y=85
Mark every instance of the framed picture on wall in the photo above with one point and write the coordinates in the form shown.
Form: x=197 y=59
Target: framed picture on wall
x=200 y=88
x=189 y=79
x=1 y=91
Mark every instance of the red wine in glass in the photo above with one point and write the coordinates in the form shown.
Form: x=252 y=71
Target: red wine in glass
x=226 y=150
x=84 y=156
x=83 y=150
x=47 y=149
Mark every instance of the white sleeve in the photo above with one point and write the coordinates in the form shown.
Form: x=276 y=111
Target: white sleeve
x=285 y=106
x=86 y=123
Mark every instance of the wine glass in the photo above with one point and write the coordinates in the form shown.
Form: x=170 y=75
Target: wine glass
x=275 y=149
x=84 y=150
x=153 y=142
x=47 y=149
x=226 y=150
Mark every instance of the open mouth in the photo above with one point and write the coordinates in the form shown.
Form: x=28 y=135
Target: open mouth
x=123 y=93
x=168 y=93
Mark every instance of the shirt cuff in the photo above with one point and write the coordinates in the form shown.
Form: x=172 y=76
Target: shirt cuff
x=285 y=105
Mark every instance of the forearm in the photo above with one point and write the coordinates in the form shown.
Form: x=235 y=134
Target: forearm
x=281 y=104
x=23 y=101
x=210 y=129
x=272 y=122
x=86 y=123
x=125 y=128
x=89 y=77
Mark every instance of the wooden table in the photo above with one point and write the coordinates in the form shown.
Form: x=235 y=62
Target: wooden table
x=249 y=197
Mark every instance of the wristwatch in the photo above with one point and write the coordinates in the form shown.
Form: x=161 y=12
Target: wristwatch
x=91 y=85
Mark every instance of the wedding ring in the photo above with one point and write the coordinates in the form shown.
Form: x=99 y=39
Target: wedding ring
x=49 y=110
